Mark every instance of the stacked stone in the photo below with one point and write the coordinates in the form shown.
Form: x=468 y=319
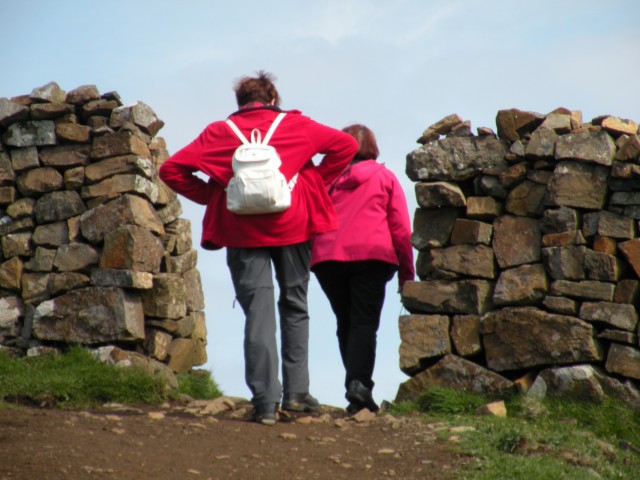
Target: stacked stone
x=529 y=257
x=93 y=250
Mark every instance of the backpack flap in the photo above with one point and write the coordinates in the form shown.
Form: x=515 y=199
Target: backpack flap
x=255 y=153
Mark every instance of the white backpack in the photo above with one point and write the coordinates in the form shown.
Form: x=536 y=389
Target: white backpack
x=257 y=185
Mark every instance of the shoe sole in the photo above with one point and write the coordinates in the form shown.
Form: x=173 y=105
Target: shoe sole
x=264 y=420
x=352 y=409
x=300 y=407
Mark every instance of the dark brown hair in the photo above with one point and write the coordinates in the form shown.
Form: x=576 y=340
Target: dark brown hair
x=260 y=88
x=367 y=145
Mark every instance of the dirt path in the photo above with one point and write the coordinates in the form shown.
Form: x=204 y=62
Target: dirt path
x=214 y=440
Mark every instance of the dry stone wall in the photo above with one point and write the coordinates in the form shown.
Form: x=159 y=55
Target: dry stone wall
x=93 y=249
x=529 y=257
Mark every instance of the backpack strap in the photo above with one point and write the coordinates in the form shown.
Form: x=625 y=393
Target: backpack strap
x=273 y=127
x=255 y=134
x=292 y=182
x=332 y=187
x=237 y=131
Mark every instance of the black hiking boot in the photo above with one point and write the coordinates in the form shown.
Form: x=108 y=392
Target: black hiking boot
x=265 y=413
x=360 y=397
x=300 y=402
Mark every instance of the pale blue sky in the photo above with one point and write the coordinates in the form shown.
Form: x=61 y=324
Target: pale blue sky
x=395 y=65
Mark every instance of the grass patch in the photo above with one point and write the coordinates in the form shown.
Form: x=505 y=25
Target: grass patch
x=450 y=402
x=610 y=419
x=76 y=379
x=539 y=440
x=403 y=408
x=198 y=384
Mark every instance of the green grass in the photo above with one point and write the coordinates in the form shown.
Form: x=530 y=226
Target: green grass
x=76 y=380
x=198 y=384
x=539 y=440
x=450 y=402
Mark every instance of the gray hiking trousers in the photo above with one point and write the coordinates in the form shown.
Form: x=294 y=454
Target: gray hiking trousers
x=252 y=277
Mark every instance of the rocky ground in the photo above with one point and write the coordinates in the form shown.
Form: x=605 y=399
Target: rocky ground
x=215 y=440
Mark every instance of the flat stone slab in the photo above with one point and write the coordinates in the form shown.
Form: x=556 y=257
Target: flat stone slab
x=442 y=296
x=455 y=158
x=522 y=337
x=454 y=372
x=90 y=315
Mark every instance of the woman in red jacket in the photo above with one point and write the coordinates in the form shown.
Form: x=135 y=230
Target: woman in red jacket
x=354 y=263
x=255 y=242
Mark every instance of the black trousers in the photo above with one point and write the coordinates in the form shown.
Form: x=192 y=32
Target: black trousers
x=356 y=293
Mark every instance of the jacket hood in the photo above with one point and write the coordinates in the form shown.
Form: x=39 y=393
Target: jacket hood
x=357 y=174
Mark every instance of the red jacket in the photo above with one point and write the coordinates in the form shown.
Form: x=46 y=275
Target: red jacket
x=297 y=139
x=374 y=220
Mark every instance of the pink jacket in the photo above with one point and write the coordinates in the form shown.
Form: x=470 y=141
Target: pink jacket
x=373 y=220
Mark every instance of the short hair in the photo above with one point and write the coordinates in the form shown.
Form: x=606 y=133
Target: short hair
x=367 y=145
x=260 y=88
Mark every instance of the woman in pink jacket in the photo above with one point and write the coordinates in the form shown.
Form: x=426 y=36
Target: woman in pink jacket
x=354 y=263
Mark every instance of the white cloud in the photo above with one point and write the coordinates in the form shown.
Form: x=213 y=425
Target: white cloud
x=431 y=22
x=337 y=20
